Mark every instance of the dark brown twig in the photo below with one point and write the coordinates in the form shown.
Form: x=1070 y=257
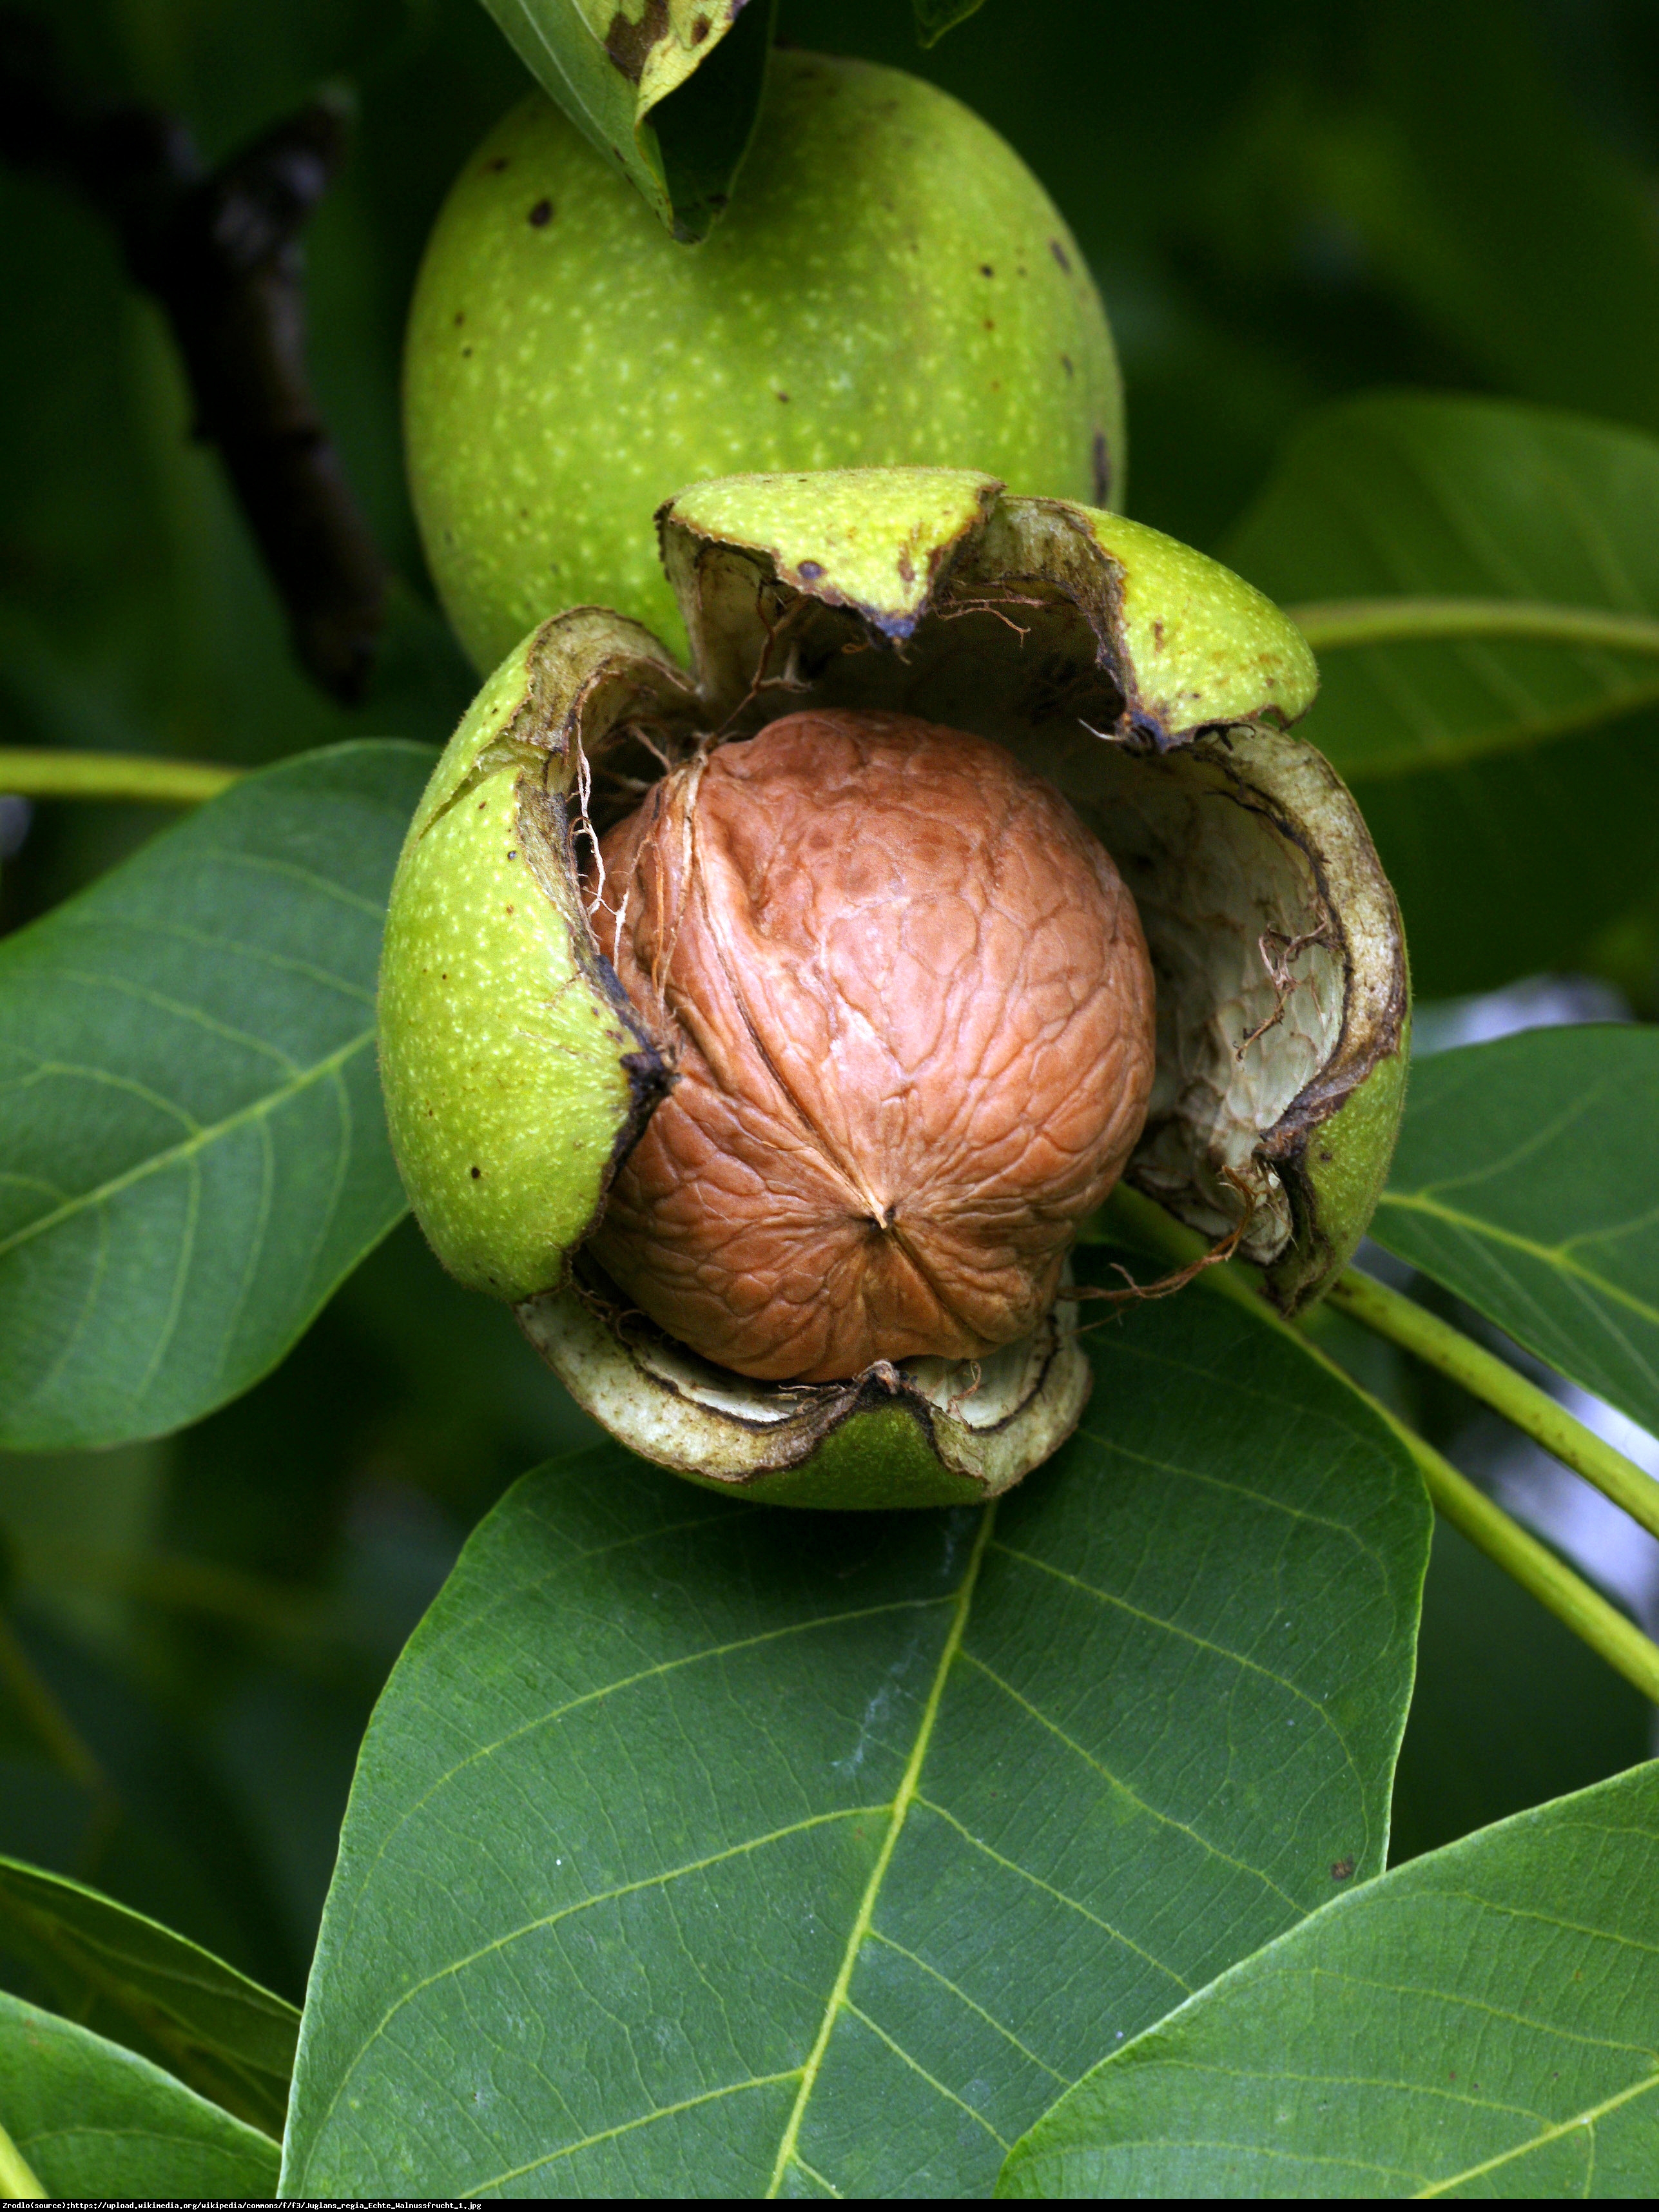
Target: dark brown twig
x=219 y=249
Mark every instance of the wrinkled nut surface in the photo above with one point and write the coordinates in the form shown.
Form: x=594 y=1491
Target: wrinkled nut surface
x=909 y=1007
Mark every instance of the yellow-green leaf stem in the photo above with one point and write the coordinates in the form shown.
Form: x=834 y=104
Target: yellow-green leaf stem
x=16 y=2177
x=1523 y=1183
x=1532 y=1565
x=1329 y=625
x=1606 y=1630
x=145 y=779
x=1386 y=1313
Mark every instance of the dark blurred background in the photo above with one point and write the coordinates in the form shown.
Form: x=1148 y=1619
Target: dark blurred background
x=1284 y=205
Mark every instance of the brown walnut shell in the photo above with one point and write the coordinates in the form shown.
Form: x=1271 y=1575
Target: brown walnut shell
x=909 y=1008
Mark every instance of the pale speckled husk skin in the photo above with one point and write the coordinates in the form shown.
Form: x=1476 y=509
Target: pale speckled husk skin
x=1152 y=685
x=891 y=283
x=511 y=1063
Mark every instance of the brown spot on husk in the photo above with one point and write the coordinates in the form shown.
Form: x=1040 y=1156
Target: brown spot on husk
x=629 y=44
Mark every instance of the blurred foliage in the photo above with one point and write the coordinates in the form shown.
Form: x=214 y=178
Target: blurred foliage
x=1511 y=1709
x=1285 y=205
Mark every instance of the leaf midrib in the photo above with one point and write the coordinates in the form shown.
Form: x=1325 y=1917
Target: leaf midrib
x=256 y=1109
x=1552 y=2133
x=902 y=1801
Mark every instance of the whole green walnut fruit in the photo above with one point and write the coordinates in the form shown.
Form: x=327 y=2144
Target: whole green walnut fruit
x=890 y=285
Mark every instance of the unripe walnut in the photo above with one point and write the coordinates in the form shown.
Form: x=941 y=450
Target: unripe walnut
x=909 y=1009
x=890 y=281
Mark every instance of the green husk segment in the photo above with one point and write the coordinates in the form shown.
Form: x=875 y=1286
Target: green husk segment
x=1191 y=644
x=1205 y=646
x=930 y=1432
x=872 y=1462
x=871 y=539
x=1342 y=1168
x=512 y=1064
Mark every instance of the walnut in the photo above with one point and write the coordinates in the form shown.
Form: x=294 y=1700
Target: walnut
x=909 y=1009
x=836 y=1136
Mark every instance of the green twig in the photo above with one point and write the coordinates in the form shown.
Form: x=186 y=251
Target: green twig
x=1496 y=1384
x=149 y=778
x=16 y=2176
x=1590 y=1616
x=1329 y=624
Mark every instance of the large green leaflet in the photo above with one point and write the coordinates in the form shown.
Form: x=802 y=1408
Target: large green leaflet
x=192 y=1150
x=1478 y=2023
x=1472 y=499
x=698 y=1848
x=668 y=88
x=1526 y=1182
x=139 y=1984
x=1491 y=207
x=1509 y=804
x=1514 y=864
x=92 y=2119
